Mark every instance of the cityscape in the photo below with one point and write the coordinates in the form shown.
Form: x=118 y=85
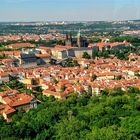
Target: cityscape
x=70 y=79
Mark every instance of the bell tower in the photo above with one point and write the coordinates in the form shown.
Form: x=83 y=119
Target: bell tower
x=79 y=38
x=68 y=41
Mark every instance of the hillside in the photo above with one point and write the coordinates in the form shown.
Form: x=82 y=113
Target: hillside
x=113 y=116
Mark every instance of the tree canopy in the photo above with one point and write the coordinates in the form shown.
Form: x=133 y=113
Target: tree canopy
x=112 y=116
x=86 y=55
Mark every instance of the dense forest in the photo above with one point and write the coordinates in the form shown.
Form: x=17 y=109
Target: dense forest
x=115 y=115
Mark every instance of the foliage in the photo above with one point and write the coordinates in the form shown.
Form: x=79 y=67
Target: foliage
x=71 y=63
x=113 y=116
x=137 y=74
x=119 y=77
x=86 y=55
x=95 y=40
x=94 y=77
x=121 y=54
x=2 y=56
x=89 y=28
x=131 y=39
x=15 y=84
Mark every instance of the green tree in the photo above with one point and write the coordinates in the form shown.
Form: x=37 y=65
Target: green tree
x=112 y=116
x=86 y=55
x=94 y=77
x=95 y=40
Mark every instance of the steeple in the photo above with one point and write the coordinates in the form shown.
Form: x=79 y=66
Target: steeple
x=68 y=41
x=67 y=36
x=79 y=38
x=70 y=36
x=79 y=33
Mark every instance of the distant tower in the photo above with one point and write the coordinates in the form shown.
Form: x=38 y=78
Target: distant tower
x=67 y=36
x=68 y=41
x=70 y=37
x=79 y=38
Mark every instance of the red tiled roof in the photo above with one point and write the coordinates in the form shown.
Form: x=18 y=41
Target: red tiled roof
x=43 y=55
x=18 y=99
x=17 y=45
x=6 y=109
x=4 y=74
x=49 y=92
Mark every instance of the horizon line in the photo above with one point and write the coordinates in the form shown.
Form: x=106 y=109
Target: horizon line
x=14 y=21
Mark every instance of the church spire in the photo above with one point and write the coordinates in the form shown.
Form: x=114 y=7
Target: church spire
x=79 y=33
x=67 y=36
x=79 y=38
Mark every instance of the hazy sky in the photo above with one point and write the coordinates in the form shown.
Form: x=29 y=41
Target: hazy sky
x=44 y=10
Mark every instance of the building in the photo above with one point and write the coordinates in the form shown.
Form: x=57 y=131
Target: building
x=79 y=41
x=21 y=45
x=43 y=59
x=12 y=101
x=4 y=77
x=78 y=52
x=59 y=95
x=62 y=52
x=59 y=53
x=27 y=60
x=107 y=46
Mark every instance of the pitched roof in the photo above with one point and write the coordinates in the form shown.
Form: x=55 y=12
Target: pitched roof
x=6 y=109
x=18 y=99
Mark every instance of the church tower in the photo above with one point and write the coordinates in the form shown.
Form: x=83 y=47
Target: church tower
x=68 y=41
x=79 y=39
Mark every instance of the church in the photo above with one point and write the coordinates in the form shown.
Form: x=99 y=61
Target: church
x=76 y=42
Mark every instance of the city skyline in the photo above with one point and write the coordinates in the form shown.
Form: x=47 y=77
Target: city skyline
x=69 y=10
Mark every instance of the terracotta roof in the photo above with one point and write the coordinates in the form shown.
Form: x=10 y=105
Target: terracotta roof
x=17 y=45
x=6 y=60
x=43 y=55
x=4 y=74
x=18 y=99
x=49 y=92
x=6 y=109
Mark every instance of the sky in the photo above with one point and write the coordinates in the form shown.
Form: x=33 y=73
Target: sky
x=69 y=10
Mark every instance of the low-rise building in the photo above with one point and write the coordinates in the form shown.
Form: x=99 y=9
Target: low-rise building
x=59 y=95
x=13 y=100
x=4 y=77
x=21 y=45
